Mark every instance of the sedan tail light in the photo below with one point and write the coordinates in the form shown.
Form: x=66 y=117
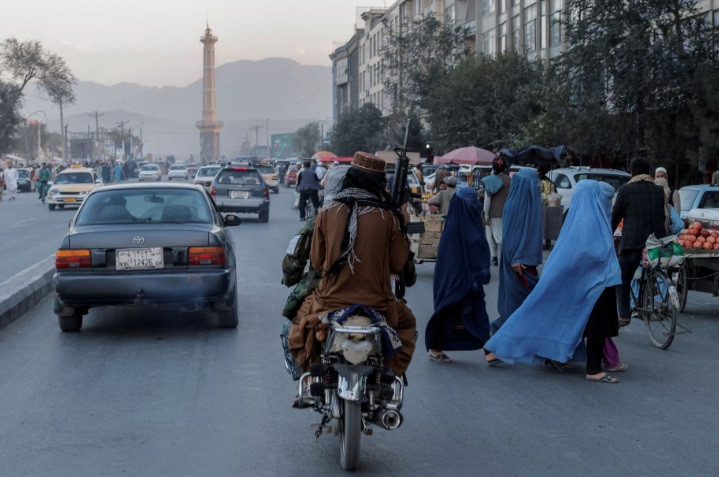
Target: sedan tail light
x=267 y=193
x=206 y=256
x=72 y=259
x=213 y=191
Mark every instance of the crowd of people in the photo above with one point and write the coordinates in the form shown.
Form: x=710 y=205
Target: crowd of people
x=357 y=243
x=586 y=269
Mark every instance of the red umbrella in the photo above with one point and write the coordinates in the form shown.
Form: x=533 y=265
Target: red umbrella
x=467 y=155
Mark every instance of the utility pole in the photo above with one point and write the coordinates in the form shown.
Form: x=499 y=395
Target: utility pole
x=267 y=138
x=65 y=136
x=122 y=137
x=63 y=133
x=132 y=150
x=97 y=129
x=256 y=129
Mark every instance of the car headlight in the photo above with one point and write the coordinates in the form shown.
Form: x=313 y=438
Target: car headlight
x=52 y=192
x=84 y=192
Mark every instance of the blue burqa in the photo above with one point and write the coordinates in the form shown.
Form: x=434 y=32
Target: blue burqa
x=551 y=322
x=521 y=242
x=460 y=320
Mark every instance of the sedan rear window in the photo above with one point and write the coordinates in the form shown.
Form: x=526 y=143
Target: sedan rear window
x=149 y=168
x=74 y=178
x=208 y=171
x=710 y=200
x=126 y=206
x=177 y=168
x=266 y=169
x=239 y=177
x=687 y=197
x=613 y=180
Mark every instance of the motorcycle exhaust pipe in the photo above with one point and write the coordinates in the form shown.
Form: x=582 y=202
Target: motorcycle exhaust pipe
x=389 y=419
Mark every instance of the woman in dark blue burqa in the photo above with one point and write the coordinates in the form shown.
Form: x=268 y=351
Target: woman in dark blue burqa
x=460 y=320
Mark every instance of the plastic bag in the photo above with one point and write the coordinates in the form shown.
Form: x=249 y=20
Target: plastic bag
x=657 y=251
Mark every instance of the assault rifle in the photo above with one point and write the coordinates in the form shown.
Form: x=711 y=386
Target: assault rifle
x=400 y=194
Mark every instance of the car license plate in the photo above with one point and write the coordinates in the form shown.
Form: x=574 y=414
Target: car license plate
x=139 y=258
x=70 y=200
x=239 y=194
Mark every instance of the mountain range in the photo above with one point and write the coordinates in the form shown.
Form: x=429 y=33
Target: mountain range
x=248 y=93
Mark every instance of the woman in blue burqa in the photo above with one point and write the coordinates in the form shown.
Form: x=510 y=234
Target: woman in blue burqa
x=460 y=320
x=574 y=297
x=521 y=246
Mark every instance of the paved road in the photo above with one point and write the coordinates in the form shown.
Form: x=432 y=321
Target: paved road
x=28 y=232
x=144 y=393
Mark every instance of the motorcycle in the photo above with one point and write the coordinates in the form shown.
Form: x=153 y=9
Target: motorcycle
x=351 y=387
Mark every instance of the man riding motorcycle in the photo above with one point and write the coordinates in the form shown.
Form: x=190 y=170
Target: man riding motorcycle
x=357 y=244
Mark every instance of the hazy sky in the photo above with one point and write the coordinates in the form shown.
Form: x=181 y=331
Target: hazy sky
x=156 y=42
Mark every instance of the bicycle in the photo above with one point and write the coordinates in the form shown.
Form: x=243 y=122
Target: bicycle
x=659 y=301
x=44 y=188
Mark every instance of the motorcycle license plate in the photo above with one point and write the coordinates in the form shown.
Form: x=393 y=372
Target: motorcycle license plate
x=139 y=258
x=70 y=200
x=239 y=194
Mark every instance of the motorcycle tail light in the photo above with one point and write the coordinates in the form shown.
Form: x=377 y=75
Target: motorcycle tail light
x=206 y=256
x=72 y=259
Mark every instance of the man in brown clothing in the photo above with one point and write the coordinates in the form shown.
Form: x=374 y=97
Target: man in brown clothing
x=496 y=191
x=442 y=173
x=358 y=274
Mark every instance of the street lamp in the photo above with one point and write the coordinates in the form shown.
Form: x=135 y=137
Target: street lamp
x=39 y=131
x=322 y=130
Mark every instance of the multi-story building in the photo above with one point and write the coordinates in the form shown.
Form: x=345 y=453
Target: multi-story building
x=370 y=58
x=345 y=75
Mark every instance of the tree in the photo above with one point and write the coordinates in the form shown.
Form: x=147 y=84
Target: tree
x=22 y=62
x=636 y=60
x=359 y=130
x=10 y=117
x=483 y=101
x=307 y=138
x=416 y=56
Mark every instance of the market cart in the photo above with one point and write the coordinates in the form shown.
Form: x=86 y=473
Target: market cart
x=700 y=271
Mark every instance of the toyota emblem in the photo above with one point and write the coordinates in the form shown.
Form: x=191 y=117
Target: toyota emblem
x=138 y=240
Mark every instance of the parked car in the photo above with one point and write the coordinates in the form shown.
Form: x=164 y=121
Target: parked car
x=702 y=196
x=270 y=176
x=241 y=189
x=565 y=179
x=146 y=244
x=71 y=187
x=150 y=172
x=24 y=182
x=429 y=178
x=178 y=171
x=205 y=175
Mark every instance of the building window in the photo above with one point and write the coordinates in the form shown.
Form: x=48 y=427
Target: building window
x=488 y=6
x=490 y=42
x=502 y=37
x=555 y=30
x=450 y=14
x=516 y=33
x=543 y=25
x=530 y=29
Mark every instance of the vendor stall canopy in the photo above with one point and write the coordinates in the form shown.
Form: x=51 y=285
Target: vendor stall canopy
x=467 y=155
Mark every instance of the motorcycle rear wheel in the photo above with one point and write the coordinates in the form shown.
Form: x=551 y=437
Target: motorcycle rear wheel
x=350 y=436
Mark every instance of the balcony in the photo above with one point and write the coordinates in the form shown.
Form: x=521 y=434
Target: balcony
x=208 y=124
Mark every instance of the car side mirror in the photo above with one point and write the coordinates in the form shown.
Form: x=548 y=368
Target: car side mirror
x=98 y=182
x=230 y=220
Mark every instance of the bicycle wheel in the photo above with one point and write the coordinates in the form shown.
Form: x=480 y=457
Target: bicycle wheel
x=682 y=287
x=660 y=311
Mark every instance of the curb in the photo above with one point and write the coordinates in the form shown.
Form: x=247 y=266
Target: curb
x=23 y=290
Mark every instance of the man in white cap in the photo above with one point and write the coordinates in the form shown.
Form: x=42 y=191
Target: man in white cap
x=661 y=178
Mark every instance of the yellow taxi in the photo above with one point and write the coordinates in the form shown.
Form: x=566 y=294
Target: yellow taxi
x=71 y=186
x=270 y=176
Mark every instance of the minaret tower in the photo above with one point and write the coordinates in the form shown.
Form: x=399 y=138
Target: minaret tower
x=210 y=125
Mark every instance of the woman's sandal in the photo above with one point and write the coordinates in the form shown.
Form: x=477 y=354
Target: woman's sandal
x=604 y=379
x=556 y=365
x=440 y=358
x=618 y=368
